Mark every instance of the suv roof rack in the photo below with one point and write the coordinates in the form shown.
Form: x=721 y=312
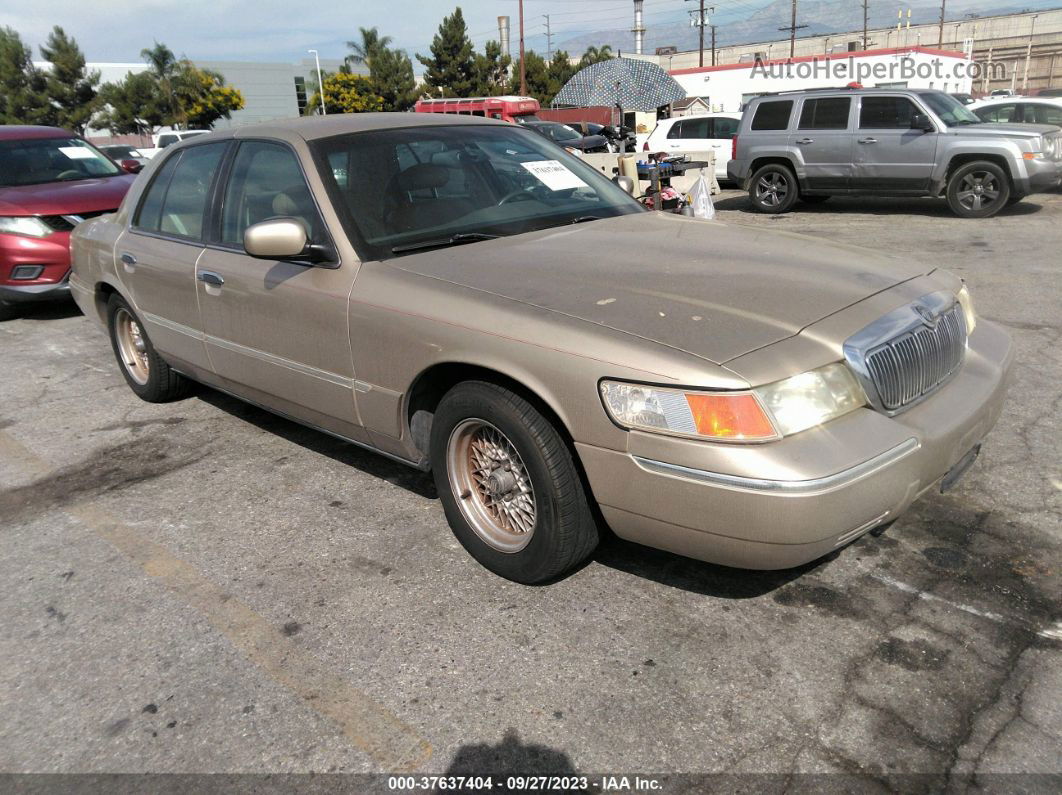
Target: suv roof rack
x=810 y=90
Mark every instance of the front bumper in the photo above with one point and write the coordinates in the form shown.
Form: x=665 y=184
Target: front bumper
x=771 y=506
x=1040 y=176
x=51 y=254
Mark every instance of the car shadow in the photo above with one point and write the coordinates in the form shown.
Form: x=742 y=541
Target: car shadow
x=47 y=310
x=872 y=205
x=347 y=453
x=696 y=576
x=657 y=565
x=510 y=757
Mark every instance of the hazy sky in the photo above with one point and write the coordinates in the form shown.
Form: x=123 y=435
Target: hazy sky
x=282 y=30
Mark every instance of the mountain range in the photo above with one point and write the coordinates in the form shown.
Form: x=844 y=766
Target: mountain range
x=820 y=16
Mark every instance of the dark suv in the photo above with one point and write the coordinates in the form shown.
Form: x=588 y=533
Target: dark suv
x=810 y=145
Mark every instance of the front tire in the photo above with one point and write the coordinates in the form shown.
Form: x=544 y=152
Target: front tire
x=773 y=189
x=508 y=484
x=978 y=190
x=145 y=371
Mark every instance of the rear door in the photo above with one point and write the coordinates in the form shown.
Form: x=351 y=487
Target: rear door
x=158 y=253
x=277 y=331
x=691 y=134
x=825 y=142
x=721 y=131
x=889 y=155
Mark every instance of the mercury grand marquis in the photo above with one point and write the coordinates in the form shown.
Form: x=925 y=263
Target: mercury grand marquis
x=466 y=297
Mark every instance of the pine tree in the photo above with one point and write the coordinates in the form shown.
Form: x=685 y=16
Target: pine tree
x=450 y=68
x=70 y=87
x=491 y=70
x=23 y=90
x=544 y=79
x=391 y=73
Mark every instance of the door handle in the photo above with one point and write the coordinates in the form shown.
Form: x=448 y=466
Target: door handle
x=868 y=140
x=209 y=277
x=806 y=141
x=128 y=262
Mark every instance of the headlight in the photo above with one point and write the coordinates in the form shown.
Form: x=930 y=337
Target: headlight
x=28 y=225
x=967 y=309
x=758 y=415
x=811 y=398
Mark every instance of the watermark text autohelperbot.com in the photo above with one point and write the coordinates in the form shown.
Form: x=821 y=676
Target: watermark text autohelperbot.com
x=900 y=70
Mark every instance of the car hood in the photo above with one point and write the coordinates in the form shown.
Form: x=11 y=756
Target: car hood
x=1001 y=128
x=708 y=288
x=586 y=142
x=62 y=198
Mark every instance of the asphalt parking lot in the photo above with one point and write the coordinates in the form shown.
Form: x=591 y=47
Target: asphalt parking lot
x=204 y=587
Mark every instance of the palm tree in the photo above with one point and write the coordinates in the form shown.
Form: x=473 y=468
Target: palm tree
x=371 y=43
x=161 y=59
x=595 y=54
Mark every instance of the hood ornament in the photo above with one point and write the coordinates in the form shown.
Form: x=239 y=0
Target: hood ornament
x=928 y=318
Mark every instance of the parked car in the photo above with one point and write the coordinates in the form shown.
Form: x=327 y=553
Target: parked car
x=120 y=153
x=1049 y=92
x=50 y=180
x=620 y=140
x=565 y=136
x=484 y=305
x=710 y=132
x=162 y=140
x=1026 y=110
x=965 y=99
x=810 y=145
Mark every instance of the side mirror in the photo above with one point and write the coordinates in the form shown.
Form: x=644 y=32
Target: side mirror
x=278 y=238
x=132 y=166
x=919 y=121
x=286 y=239
x=626 y=183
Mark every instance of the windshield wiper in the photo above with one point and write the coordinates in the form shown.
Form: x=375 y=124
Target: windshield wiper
x=584 y=218
x=443 y=242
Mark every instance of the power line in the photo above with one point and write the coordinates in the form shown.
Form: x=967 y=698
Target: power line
x=793 y=27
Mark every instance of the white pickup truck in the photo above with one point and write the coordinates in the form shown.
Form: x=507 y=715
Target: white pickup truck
x=164 y=139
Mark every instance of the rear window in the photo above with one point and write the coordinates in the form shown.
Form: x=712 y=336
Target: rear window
x=175 y=206
x=886 y=113
x=825 y=113
x=772 y=115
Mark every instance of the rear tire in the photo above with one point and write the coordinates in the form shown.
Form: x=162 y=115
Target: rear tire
x=145 y=371
x=508 y=484
x=773 y=189
x=978 y=190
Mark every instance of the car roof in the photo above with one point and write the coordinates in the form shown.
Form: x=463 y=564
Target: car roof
x=23 y=132
x=311 y=128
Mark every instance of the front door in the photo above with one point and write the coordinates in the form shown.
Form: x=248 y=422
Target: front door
x=890 y=157
x=823 y=139
x=156 y=257
x=276 y=331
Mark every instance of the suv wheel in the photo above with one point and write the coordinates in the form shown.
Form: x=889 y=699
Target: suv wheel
x=978 y=190
x=145 y=371
x=773 y=189
x=508 y=484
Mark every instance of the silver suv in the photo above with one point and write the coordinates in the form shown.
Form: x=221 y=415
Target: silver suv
x=810 y=145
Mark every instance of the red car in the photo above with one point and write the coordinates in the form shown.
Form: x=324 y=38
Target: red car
x=50 y=181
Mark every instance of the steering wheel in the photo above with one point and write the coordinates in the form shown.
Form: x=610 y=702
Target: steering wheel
x=70 y=172
x=525 y=193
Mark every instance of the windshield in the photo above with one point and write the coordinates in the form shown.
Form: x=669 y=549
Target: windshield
x=40 y=160
x=562 y=132
x=119 y=150
x=952 y=112
x=397 y=188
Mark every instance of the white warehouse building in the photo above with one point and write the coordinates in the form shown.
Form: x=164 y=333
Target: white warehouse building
x=729 y=86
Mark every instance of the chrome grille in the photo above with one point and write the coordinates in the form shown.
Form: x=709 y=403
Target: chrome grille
x=911 y=365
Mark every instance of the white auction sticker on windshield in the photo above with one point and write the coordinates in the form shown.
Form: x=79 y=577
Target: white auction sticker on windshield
x=78 y=152
x=554 y=175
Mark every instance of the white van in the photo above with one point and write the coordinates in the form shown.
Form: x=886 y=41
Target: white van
x=707 y=132
x=168 y=138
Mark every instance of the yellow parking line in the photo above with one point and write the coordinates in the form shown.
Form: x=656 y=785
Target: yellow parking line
x=369 y=726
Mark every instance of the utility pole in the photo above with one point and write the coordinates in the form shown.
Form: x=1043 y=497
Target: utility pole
x=713 y=27
x=793 y=28
x=940 y=33
x=523 y=74
x=700 y=22
x=865 y=3
x=549 y=40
